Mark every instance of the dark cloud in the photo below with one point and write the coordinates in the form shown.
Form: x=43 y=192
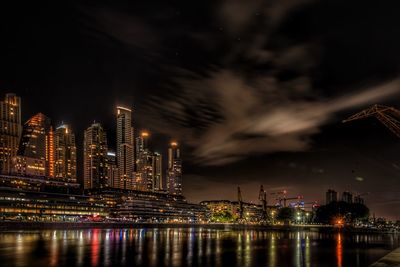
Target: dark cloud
x=213 y=113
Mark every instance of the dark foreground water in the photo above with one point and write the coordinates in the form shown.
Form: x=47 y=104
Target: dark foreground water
x=190 y=247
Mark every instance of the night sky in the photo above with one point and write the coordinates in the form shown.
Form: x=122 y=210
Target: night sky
x=254 y=91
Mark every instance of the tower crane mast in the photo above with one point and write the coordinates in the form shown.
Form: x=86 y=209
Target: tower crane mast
x=240 y=201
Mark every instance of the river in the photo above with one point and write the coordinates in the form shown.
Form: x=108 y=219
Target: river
x=190 y=247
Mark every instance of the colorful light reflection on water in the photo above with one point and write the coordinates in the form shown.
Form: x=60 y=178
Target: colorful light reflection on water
x=190 y=247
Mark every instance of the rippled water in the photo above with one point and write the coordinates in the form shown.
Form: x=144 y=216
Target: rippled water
x=190 y=247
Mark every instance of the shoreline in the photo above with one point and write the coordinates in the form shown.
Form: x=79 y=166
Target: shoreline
x=390 y=259
x=6 y=226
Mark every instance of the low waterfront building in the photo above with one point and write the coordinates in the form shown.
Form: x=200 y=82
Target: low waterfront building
x=44 y=199
x=145 y=206
x=216 y=206
x=250 y=213
x=17 y=204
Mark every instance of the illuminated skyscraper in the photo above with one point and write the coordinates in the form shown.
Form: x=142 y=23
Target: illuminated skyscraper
x=95 y=157
x=141 y=144
x=65 y=154
x=144 y=176
x=36 y=146
x=174 y=172
x=10 y=130
x=157 y=172
x=112 y=169
x=125 y=151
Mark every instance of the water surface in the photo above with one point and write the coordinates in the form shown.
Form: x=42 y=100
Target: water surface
x=190 y=247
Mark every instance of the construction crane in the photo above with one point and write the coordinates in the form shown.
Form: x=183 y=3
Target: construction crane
x=240 y=200
x=279 y=193
x=284 y=198
x=282 y=192
x=388 y=116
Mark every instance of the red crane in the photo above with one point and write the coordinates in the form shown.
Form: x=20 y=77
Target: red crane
x=388 y=116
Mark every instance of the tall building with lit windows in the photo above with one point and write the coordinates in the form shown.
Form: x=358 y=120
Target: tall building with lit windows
x=10 y=130
x=36 y=148
x=158 y=172
x=112 y=169
x=95 y=157
x=143 y=164
x=141 y=144
x=174 y=171
x=125 y=149
x=65 y=154
x=148 y=175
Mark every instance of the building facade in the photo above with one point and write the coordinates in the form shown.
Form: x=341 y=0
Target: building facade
x=112 y=169
x=10 y=131
x=26 y=166
x=125 y=149
x=358 y=199
x=347 y=197
x=144 y=176
x=331 y=196
x=36 y=146
x=158 y=172
x=95 y=157
x=141 y=144
x=174 y=171
x=65 y=154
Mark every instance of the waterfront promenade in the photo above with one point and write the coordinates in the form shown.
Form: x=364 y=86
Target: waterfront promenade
x=390 y=260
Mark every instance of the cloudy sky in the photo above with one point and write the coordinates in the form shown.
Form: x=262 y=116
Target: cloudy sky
x=255 y=91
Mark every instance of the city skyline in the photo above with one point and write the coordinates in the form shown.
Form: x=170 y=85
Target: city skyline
x=40 y=123
x=200 y=133
x=254 y=93
x=51 y=152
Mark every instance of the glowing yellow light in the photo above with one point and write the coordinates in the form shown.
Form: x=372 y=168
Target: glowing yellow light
x=145 y=134
x=174 y=144
x=123 y=108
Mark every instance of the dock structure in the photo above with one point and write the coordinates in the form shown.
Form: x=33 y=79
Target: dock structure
x=390 y=260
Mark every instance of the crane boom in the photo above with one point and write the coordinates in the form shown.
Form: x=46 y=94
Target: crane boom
x=388 y=116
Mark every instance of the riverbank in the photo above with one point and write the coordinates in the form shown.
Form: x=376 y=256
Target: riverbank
x=8 y=225
x=391 y=259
